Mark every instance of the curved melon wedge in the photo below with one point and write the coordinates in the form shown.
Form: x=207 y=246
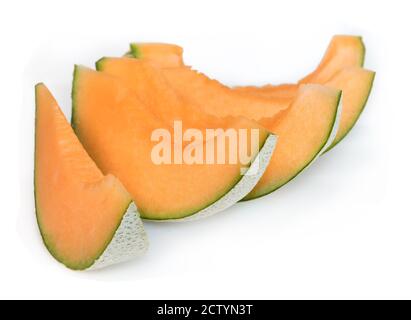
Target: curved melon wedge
x=356 y=84
x=87 y=220
x=342 y=52
x=116 y=127
x=163 y=55
x=305 y=130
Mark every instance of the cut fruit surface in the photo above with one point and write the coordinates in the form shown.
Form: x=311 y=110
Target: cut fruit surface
x=81 y=213
x=356 y=84
x=305 y=130
x=219 y=100
x=339 y=68
x=115 y=126
x=210 y=96
x=343 y=52
x=161 y=54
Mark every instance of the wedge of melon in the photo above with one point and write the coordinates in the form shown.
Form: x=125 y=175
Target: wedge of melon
x=86 y=219
x=115 y=126
x=356 y=84
x=161 y=54
x=305 y=127
x=305 y=130
x=343 y=52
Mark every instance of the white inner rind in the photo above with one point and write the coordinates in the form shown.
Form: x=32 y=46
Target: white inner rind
x=242 y=188
x=129 y=241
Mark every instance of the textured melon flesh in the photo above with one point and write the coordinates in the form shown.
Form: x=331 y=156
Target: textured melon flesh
x=304 y=130
x=211 y=96
x=282 y=91
x=153 y=90
x=356 y=84
x=342 y=52
x=219 y=100
x=78 y=209
x=314 y=112
x=115 y=127
x=161 y=54
x=339 y=68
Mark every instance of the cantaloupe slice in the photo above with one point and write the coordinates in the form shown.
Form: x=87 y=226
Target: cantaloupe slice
x=86 y=219
x=161 y=54
x=305 y=127
x=115 y=126
x=343 y=52
x=305 y=130
x=356 y=84
x=339 y=68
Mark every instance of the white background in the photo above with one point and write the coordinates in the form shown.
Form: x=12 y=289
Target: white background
x=341 y=230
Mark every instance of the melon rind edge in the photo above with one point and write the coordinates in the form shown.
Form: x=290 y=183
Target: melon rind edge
x=241 y=189
x=335 y=127
x=129 y=241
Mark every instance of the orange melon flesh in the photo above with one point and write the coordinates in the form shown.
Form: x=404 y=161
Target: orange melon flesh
x=115 y=127
x=153 y=90
x=148 y=83
x=78 y=208
x=219 y=100
x=281 y=91
x=343 y=52
x=339 y=68
x=356 y=84
x=304 y=130
x=309 y=125
x=161 y=54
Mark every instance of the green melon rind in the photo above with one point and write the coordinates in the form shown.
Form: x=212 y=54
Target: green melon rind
x=355 y=119
x=128 y=242
x=361 y=64
x=332 y=132
x=246 y=183
x=135 y=51
x=235 y=190
x=117 y=248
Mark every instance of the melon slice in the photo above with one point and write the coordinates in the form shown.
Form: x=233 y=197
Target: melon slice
x=305 y=130
x=305 y=127
x=161 y=54
x=356 y=84
x=86 y=219
x=116 y=126
x=343 y=52
x=339 y=68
